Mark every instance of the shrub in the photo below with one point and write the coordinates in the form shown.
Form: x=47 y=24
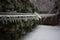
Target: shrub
x=13 y=31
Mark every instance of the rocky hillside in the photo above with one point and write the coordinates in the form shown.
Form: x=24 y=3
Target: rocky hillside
x=55 y=19
x=43 y=5
x=49 y=6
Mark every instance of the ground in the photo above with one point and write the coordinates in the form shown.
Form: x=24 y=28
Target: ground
x=43 y=32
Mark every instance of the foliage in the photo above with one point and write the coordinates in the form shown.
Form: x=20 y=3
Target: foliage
x=14 y=31
x=23 y=6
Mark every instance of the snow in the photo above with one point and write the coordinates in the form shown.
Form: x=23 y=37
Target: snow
x=44 y=32
x=33 y=15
